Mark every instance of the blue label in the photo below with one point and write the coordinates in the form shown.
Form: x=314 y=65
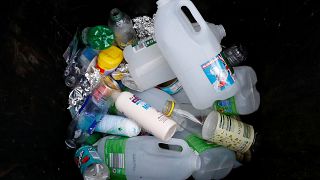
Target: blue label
x=136 y=100
x=173 y=88
x=85 y=157
x=218 y=73
x=89 y=53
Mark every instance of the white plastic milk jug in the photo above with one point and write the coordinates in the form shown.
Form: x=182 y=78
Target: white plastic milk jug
x=193 y=55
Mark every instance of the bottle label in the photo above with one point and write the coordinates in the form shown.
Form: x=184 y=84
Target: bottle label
x=86 y=156
x=143 y=44
x=199 y=145
x=89 y=53
x=218 y=73
x=115 y=156
x=173 y=88
x=227 y=107
x=136 y=100
x=233 y=134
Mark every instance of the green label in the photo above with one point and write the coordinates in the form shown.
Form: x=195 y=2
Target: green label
x=198 y=144
x=227 y=107
x=150 y=42
x=115 y=156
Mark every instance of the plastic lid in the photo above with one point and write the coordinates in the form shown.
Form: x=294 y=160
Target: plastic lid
x=98 y=37
x=110 y=58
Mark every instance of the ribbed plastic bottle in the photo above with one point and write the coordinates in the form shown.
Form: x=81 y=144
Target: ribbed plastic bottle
x=143 y=157
x=193 y=55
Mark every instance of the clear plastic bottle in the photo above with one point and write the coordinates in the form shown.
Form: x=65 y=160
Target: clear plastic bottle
x=91 y=165
x=122 y=26
x=216 y=161
x=143 y=157
x=247 y=100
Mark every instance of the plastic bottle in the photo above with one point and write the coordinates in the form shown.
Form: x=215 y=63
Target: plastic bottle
x=194 y=56
x=87 y=55
x=171 y=87
x=122 y=26
x=143 y=157
x=147 y=66
x=228 y=132
x=98 y=37
x=216 y=161
x=164 y=103
x=247 y=100
x=117 y=125
x=146 y=116
x=109 y=59
x=90 y=164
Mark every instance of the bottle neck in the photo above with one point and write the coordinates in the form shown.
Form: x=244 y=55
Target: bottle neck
x=116 y=15
x=169 y=107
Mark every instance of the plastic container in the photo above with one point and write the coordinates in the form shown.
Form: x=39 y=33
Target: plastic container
x=193 y=55
x=145 y=115
x=90 y=164
x=247 y=100
x=143 y=157
x=228 y=132
x=147 y=65
x=109 y=60
x=216 y=161
x=117 y=125
x=122 y=26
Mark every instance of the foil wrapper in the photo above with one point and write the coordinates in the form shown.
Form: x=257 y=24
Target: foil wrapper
x=144 y=26
x=121 y=72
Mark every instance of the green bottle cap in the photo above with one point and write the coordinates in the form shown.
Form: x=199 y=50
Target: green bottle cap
x=98 y=37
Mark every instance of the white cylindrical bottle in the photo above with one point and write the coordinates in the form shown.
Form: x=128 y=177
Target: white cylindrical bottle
x=228 y=132
x=118 y=125
x=247 y=100
x=194 y=56
x=143 y=157
x=146 y=116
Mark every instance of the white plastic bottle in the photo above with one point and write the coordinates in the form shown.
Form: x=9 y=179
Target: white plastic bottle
x=193 y=55
x=247 y=100
x=146 y=116
x=228 y=132
x=147 y=66
x=118 y=125
x=216 y=161
x=142 y=157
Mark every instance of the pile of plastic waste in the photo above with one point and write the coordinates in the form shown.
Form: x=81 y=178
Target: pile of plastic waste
x=158 y=97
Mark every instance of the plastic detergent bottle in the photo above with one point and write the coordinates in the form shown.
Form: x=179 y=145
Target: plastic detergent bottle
x=228 y=132
x=90 y=164
x=145 y=115
x=193 y=55
x=143 y=157
x=109 y=60
x=247 y=100
x=147 y=65
x=216 y=161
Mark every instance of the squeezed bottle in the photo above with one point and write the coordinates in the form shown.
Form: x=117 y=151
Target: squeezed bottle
x=122 y=26
x=216 y=161
x=143 y=157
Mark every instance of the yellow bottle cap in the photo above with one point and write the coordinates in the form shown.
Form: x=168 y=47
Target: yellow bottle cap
x=110 y=58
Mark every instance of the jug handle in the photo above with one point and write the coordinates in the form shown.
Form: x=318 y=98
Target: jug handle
x=194 y=12
x=174 y=141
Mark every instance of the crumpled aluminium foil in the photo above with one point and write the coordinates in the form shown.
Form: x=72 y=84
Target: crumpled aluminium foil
x=144 y=26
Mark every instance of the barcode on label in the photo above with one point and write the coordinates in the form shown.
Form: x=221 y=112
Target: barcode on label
x=138 y=47
x=94 y=154
x=225 y=123
x=116 y=160
x=246 y=131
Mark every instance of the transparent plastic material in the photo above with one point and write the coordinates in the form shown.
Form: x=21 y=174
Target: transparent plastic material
x=194 y=56
x=216 y=161
x=122 y=26
x=144 y=158
x=247 y=100
x=147 y=66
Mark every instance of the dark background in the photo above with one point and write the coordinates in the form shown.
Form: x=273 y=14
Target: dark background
x=283 y=42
